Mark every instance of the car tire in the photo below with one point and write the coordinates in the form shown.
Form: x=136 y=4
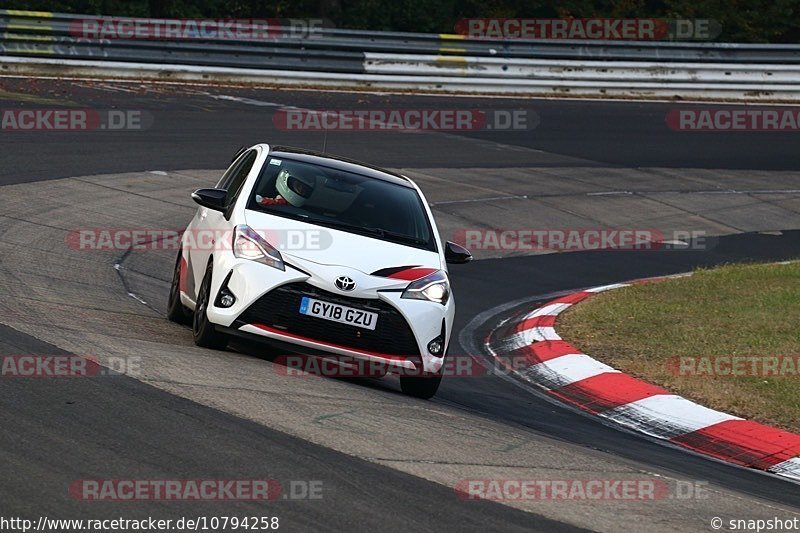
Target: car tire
x=423 y=387
x=176 y=311
x=205 y=333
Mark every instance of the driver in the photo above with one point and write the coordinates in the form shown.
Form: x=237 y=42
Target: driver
x=292 y=189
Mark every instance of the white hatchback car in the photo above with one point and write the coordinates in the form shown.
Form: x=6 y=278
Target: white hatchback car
x=323 y=255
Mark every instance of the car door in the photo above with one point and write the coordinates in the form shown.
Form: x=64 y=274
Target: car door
x=210 y=228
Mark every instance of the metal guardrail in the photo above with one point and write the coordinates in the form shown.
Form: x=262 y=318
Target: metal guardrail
x=424 y=61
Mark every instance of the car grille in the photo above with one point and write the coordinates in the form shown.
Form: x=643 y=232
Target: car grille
x=280 y=309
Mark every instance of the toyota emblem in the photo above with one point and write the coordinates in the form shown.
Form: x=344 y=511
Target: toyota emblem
x=344 y=283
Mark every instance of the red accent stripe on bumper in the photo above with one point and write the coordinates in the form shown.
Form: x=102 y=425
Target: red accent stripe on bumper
x=337 y=346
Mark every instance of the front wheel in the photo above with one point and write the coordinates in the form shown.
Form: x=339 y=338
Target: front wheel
x=423 y=387
x=205 y=334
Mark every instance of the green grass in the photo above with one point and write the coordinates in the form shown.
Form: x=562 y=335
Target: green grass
x=750 y=310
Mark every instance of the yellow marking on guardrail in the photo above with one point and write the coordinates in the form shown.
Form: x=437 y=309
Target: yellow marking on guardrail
x=18 y=37
x=443 y=49
x=49 y=51
x=11 y=44
x=14 y=25
x=20 y=21
x=460 y=61
x=23 y=13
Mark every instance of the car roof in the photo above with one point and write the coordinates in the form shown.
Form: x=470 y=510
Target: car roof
x=339 y=163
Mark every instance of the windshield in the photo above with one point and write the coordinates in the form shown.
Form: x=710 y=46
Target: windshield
x=342 y=200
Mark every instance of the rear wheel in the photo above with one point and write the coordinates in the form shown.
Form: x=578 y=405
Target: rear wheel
x=205 y=334
x=176 y=311
x=423 y=387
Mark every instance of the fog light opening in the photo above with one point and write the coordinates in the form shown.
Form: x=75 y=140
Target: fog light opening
x=225 y=298
x=436 y=346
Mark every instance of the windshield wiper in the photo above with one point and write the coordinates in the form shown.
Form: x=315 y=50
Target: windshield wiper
x=399 y=236
x=374 y=231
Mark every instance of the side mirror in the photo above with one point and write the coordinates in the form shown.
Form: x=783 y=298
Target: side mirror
x=210 y=198
x=455 y=254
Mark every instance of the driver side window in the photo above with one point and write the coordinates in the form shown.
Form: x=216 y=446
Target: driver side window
x=234 y=177
x=225 y=181
x=239 y=176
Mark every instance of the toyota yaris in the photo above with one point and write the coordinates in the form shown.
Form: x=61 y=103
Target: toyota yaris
x=323 y=255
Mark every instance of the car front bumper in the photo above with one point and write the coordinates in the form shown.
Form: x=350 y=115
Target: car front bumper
x=267 y=306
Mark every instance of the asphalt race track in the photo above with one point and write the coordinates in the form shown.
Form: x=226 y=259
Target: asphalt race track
x=385 y=461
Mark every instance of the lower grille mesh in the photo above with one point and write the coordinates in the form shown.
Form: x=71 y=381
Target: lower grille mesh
x=280 y=308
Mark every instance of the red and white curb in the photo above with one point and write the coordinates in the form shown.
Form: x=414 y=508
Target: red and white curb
x=539 y=356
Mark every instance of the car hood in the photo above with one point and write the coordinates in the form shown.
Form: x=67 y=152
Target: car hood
x=304 y=242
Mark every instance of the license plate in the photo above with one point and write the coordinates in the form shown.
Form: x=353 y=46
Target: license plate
x=338 y=313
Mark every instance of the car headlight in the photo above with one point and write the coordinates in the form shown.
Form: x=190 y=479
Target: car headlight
x=247 y=244
x=433 y=287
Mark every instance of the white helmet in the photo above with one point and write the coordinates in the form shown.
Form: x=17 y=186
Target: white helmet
x=294 y=189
